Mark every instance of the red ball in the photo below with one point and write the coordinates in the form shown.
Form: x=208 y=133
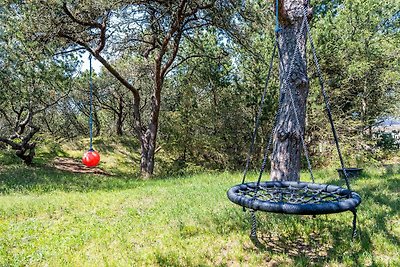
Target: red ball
x=91 y=158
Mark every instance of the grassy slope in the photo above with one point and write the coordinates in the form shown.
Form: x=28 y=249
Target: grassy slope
x=48 y=217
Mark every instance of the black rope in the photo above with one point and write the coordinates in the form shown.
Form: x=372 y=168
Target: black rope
x=354 y=232
x=253 y=232
x=286 y=87
x=270 y=140
x=253 y=139
x=326 y=99
x=91 y=104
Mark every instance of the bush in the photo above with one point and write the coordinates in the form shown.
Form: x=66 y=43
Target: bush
x=387 y=141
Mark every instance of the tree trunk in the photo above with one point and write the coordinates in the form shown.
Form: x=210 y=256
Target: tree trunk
x=148 y=146
x=149 y=139
x=119 y=130
x=27 y=153
x=144 y=160
x=285 y=160
x=120 y=117
x=25 y=150
x=97 y=125
x=148 y=152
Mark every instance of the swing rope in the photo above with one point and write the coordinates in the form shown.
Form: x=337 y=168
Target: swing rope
x=304 y=26
x=293 y=197
x=326 y=99
x=91 y=104
x=277 y=26
x=258 y=118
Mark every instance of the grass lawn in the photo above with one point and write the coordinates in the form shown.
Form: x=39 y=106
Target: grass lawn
x=54 y=218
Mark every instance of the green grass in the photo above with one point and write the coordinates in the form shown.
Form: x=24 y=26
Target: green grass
x=53 y=218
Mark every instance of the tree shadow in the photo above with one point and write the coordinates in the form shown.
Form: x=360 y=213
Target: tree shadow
x=384 y=193
x=381 y=190
x=314 y=249
x=75 y=166
x=42 y=178
x=326 y=242
x=288 y=239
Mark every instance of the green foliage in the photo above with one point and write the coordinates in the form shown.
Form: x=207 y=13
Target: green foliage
x=358 y=58
x=211 y=95
x=387 y=141
x=32 y=82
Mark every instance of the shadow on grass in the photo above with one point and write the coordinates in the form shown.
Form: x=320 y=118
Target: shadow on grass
x=42 y=179
x=309 y=241
x=313 y=250
x=324 y=239
x=383 y=190
x=53 y=150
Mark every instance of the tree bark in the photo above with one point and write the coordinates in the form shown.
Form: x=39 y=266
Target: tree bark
x=285 y=160
x=148 y=151
x=120 y=117
x=97 y=125
x=24 y=148
x=27 y=153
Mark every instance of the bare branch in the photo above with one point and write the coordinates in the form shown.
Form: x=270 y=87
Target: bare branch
x=91 y=24
x=48 y=105
x=188 y=58
x=9 y=142
x=103 y=28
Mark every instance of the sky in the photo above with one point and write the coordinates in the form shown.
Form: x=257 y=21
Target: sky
x=95 y=63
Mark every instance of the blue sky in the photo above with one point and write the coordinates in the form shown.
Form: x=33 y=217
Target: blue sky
x=95 y=63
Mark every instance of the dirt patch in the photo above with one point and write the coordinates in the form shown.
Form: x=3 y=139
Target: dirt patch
x=72 y=165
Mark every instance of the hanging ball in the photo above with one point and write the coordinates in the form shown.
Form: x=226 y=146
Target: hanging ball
x=91 y=158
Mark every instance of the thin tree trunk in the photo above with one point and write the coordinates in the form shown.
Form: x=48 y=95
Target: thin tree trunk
x=120 y=119
x=147 y=136
x=97 y=125
x=285 y=160
x=149 y=139
x=148 y=145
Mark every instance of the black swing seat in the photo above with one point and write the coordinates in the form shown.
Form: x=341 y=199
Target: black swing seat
x=290 y=197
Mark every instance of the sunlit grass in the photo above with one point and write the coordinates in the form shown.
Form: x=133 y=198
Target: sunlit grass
x=49 y=217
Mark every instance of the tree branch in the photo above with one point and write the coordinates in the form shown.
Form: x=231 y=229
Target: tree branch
x=15 y=146
x=103 y=28
x=91 y=24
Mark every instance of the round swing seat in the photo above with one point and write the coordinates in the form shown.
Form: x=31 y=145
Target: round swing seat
x=290 y=197
x=91 y=158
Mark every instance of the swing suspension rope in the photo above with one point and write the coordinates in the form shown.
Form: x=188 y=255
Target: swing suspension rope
x=287 y=196
x=260 y=108
x=277 y=26
x=90 y=104
x=287 y=89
